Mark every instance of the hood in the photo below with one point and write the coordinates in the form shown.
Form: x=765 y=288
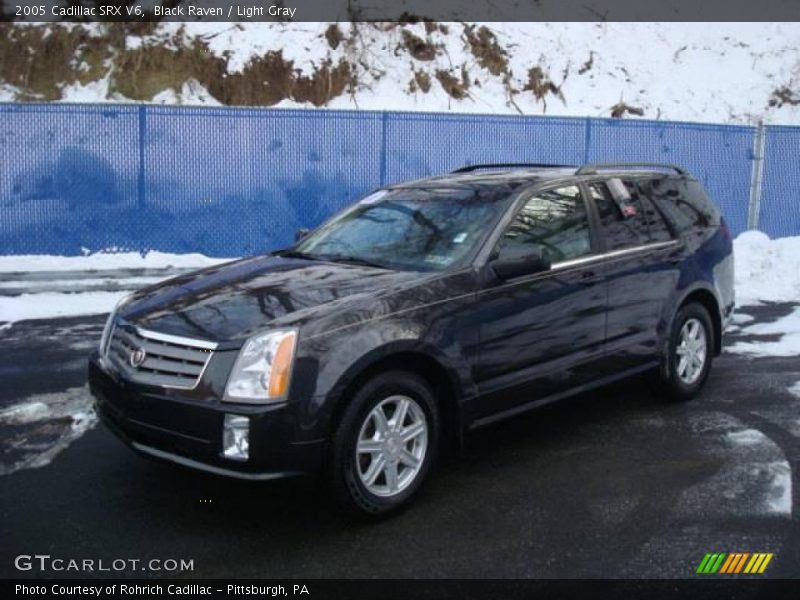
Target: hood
x=233 y=300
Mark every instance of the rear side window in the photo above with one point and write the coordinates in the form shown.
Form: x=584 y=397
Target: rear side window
x=554 y=222
x=631 y=223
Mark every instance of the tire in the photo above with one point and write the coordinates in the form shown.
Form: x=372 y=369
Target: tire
x=353 y=464
x=683 y=380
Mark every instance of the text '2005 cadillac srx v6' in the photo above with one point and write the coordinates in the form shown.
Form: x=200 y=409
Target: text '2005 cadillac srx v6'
x=423 y=311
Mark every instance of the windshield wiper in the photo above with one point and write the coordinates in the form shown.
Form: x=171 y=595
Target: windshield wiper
x=297 y=254
x=353 y=260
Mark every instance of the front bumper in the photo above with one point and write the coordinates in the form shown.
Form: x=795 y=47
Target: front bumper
x=189 y=431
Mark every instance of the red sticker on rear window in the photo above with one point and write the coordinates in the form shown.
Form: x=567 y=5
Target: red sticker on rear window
x=629 y=211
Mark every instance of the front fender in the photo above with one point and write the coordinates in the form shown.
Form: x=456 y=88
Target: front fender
x=327 y=365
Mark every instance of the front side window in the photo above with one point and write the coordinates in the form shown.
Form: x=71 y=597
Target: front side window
x=426 y=229
x=553 y=222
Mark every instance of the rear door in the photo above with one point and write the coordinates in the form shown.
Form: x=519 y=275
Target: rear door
x=642 y=267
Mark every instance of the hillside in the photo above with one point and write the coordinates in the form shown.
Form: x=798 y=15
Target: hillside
x=727 y=72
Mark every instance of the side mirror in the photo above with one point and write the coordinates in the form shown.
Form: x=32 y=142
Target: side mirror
x=517 y=264
x=300 y=234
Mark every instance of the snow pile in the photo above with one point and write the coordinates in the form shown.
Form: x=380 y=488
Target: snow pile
x=766 y=270
x=66 y=292
x=53 y=305
x=106 y=261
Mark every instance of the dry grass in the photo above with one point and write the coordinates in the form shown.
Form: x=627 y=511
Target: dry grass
x=784 y=96
x=40 y=61
x=484 y=47
x=143 y=72
x=541 y=85
x=455 y=87
x=620 y=109
x=422 y=81
x=334 y=35
x=417 y=47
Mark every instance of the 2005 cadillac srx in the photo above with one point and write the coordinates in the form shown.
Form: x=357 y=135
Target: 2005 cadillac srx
x=422 y=311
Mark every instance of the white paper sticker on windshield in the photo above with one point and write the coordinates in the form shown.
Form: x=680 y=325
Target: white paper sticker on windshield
x=459 y=239
x=438 y=259
x=373 y=198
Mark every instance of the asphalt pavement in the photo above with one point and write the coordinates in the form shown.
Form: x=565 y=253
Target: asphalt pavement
x=613 y=483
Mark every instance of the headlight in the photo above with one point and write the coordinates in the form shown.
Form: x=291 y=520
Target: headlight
x=263 y=368
x=104 y=339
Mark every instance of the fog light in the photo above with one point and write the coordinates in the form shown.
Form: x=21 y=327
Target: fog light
x=236 y=437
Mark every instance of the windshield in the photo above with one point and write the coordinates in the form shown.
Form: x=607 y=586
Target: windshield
x=425 y=229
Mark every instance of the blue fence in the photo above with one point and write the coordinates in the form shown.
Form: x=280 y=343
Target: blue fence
x=234 y=181
x=780 y=196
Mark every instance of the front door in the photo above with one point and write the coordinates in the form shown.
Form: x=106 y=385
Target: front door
x=541 y=333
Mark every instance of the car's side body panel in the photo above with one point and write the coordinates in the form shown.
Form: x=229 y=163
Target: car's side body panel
x=640 y=283
x=538 y=336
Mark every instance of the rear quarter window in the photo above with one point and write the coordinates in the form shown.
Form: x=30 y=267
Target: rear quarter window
x=697 y=197
x=682 y=201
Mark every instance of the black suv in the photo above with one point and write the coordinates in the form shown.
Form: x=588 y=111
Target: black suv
x=423 y=311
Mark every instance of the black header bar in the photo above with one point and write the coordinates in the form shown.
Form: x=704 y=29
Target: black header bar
x=404 y=589
x=400 y=10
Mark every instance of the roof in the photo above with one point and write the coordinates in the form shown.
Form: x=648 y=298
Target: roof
x=509 y=177
x=513 y=175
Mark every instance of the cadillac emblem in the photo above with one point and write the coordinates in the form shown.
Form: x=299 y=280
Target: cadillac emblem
x=137 y=357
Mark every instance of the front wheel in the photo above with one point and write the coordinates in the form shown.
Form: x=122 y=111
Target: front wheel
x=690 y=353
x=384 y=445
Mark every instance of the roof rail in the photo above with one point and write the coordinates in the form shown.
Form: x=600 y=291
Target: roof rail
x=470 y=168
x=591 y=168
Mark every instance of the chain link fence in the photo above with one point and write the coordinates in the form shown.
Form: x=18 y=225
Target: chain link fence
x=239 y=181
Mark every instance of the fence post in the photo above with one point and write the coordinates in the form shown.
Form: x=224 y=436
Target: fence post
x=383 y=148
x=756 y=177
x=587 y=139
x=142 y=134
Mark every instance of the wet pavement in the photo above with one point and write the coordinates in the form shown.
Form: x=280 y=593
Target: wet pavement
x=612 y=483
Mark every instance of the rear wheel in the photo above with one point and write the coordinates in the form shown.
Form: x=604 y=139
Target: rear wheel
x=384 y=445
x=690 y=353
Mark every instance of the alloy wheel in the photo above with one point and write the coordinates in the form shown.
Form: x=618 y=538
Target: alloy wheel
x=691 y=351
x=391 y=445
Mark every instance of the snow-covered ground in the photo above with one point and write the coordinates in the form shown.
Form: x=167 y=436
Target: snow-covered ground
x=782 y=337
x=713 y=72
x=82 y=285
x=105 y=261
x=53 y=421
x=766 y=271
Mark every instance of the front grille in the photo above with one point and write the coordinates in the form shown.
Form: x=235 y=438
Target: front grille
x=169 y=361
